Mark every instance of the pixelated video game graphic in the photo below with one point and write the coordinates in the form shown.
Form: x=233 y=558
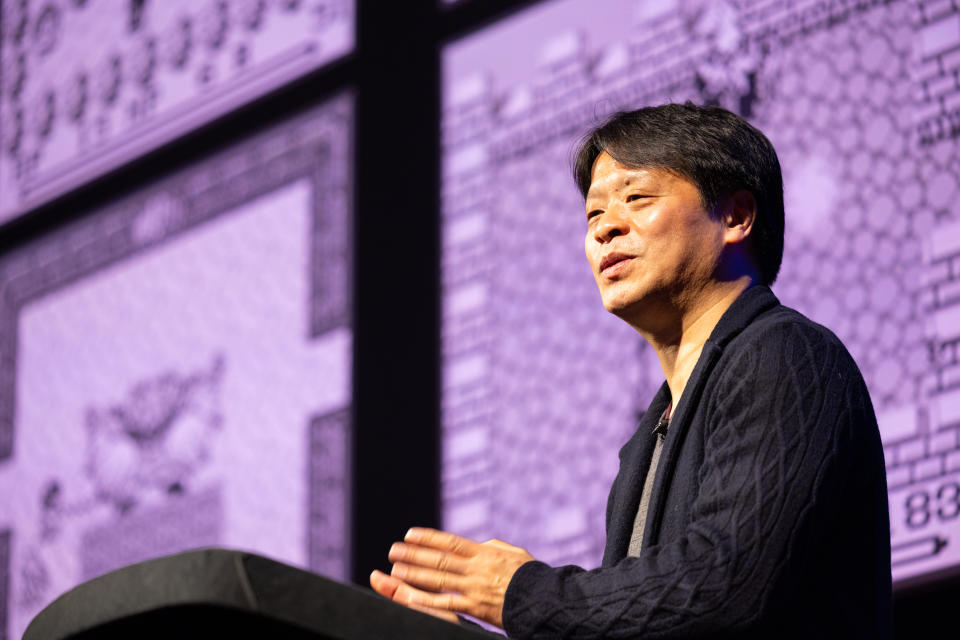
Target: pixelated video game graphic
x=175 y=370
x=89 y=85
x=541 y=387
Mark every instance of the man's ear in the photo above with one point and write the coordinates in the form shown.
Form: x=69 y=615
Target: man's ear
x=738 y=215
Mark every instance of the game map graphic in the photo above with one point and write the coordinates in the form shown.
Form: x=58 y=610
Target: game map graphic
x=175 y=370
x=88 y=85
x=542 y=386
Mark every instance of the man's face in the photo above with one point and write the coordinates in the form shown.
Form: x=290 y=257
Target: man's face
x=649 y=240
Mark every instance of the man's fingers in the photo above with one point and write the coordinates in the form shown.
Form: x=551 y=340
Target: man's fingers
x=383 y=584
x=426 y=557
x=440 y=570
x=429 y=579
x=443 y=601
x=394 y=589
x=441 y=540
x=401 y=592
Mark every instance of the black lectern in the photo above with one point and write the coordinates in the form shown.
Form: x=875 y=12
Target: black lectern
x=220 y=593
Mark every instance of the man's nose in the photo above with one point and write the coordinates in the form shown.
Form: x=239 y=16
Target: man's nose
x=612 y=223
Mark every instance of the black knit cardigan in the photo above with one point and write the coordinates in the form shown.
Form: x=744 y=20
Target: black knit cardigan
x=768 y=517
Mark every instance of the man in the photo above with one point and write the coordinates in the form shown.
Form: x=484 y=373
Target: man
x=751 y=502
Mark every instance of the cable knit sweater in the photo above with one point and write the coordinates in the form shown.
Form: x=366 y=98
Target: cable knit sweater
x=769 y=511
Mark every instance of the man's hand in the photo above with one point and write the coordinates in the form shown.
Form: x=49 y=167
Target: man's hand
x=443 y=574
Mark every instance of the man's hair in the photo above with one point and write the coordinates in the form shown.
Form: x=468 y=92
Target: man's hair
x=720 y=152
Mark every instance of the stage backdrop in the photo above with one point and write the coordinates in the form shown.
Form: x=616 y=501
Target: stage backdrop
x=175 y=370
x=88 y=85
x=541 y=386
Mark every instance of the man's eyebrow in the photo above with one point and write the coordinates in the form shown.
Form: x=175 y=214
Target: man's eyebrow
x=622 y=183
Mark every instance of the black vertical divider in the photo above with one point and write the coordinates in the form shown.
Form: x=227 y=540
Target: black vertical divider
x=396 y=240
x=396 y=278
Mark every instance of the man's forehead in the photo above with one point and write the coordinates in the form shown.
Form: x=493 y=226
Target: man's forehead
x=609 y=173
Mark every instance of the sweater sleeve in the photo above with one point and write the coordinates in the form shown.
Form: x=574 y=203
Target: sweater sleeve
x=777 y=447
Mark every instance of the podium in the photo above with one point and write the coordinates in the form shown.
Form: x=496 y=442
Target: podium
x=221 y=593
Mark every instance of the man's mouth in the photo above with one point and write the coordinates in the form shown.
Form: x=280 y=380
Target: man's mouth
x=611 y=259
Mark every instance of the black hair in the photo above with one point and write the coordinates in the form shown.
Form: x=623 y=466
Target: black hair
x=717 y=150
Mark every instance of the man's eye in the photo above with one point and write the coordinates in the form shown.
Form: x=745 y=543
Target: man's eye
x=634 y=196
x=595 y=212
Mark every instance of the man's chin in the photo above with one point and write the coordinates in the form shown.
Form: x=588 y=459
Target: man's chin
x=622 y=308
x=635 y=311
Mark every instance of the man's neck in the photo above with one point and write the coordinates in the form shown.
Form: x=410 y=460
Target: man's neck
x=679 y=347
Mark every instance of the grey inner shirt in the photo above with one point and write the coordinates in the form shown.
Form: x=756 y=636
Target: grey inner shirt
x=640 y=521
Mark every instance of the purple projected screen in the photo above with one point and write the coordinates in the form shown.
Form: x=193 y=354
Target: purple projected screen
x=176 y=370
x=87 y=86
x=542 y=386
